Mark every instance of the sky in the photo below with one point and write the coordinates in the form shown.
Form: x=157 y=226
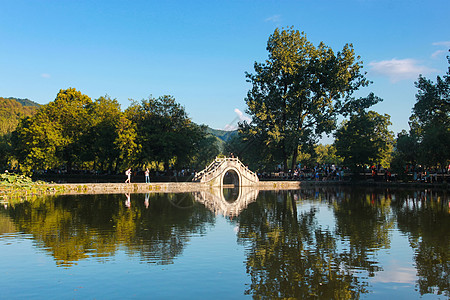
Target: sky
x=199 y=51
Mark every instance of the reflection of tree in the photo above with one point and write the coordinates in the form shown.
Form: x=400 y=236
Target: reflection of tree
x=291 y=255
x=163 y=230
x=424 y=216
x=364 y=218
x=78 y=227
x=6 y=224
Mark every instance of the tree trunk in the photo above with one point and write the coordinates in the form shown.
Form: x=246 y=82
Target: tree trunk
x=294 y=159
x=285 y=167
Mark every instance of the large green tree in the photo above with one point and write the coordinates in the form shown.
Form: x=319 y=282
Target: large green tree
x=430 y=119
x=37 y=141
x=298 y=92
x=165 y=133
x=365 y=139
x=53 y=136
x=99 y=140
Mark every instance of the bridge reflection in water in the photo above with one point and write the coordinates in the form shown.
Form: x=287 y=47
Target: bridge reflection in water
x=228 y=201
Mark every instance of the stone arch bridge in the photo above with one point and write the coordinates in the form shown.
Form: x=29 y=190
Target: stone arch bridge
x=230 y=169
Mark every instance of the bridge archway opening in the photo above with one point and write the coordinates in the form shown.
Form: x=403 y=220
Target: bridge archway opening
x=231 y=178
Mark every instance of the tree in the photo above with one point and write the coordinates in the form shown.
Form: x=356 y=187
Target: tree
x=36 y=142
x=105 y=117
x=164 y=131
x=68 y=113
x=430 y=119
x=364 y=139
x=126 y=143
x=326 y=154
x=207 y=150
x=251 y=150
x=53 y=136
x=298 y=92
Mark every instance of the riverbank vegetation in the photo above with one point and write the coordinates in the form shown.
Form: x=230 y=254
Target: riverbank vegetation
x=17 y=188
x=73 y=132
x=298 y=94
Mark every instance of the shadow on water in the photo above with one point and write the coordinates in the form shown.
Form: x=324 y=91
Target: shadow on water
x=293 y=249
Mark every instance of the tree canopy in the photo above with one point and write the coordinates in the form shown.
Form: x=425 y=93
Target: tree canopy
x=298 y=92
x=75 y=132
x=428 y=140
x=365 y=139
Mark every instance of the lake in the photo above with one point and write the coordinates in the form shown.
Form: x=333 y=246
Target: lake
x=312 y=243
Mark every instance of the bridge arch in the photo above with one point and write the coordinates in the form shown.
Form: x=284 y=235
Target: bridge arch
x=234 y=174
x=215 y=172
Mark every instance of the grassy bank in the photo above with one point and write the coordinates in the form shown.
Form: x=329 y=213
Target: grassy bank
x=15 y=187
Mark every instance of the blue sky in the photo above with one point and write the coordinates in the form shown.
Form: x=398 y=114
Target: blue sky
x=198 y=51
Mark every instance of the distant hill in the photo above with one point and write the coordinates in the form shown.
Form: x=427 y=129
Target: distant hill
x=24 y=102
x=222 y=136
x=12 y=110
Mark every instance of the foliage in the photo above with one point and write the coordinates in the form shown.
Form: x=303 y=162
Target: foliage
x=165 y=133
x=430 y=120
x=6 y=151
x=428 y=141
x=74 y=132
x=365 y=139
x=252 y=151
x=14 y=179
x=326 y=154
x=297 y=93
x=11 y=111
x=17 y=188
x=105 y=117
x=36 y=142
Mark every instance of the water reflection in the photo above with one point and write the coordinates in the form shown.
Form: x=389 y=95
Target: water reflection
x=128 y=201
x=308 y=243
x=147 y=200
x=292 y=255
x=227 y=201
x=72 y=228
x=231 y=194
x=424 y=217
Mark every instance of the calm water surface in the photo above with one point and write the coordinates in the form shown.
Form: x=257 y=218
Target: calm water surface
x=323 y=243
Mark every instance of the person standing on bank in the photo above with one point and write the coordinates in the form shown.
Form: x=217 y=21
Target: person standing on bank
x=128 y=173
x=147 y=176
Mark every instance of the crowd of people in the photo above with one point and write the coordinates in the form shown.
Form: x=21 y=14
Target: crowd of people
x=331 y=172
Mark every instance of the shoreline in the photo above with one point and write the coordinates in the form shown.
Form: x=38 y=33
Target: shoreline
x=185 y=187
x=158 y=187
x=18 y=192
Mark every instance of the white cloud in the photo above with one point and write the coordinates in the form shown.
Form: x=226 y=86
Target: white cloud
x=444 y=43
x=438 y=53
x=273 y=19
x=242 y=116
x=239 y=118
x=45 y=75
x=399 y=69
